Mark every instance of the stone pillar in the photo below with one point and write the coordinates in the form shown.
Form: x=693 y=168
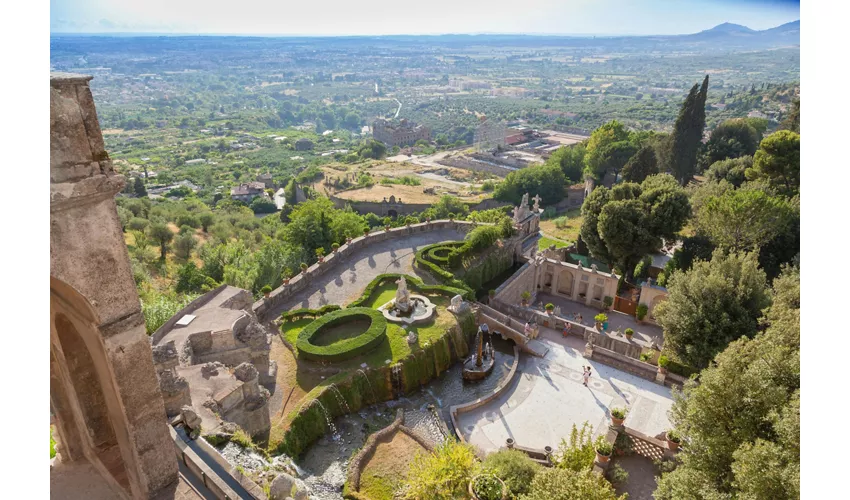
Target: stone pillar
x=90 y=275
x=660 y=376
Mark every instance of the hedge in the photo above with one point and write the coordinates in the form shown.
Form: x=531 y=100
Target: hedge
x=308 y=313
x=347 y=348
x=413 y=282
x=439 y=273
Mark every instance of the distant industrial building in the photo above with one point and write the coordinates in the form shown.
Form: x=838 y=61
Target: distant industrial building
x=399 y=133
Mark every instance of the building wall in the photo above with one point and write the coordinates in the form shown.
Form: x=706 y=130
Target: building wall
x=652 y=296
x=91 y=281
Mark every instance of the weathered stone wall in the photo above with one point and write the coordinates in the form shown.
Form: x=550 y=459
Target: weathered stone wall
x=91 y=278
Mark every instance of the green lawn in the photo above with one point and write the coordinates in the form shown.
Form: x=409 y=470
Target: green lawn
x=395 y=347
x=52 y=443
x=545 y=242
x=568 y=231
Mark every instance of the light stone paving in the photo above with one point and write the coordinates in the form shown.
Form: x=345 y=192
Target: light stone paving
x=348 y=279
x=548 y=397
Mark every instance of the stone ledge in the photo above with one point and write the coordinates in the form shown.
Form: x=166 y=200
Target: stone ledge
x=64 y=78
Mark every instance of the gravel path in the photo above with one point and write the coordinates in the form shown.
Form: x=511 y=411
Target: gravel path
x=348 y=279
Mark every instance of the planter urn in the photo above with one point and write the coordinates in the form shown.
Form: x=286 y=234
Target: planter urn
x=671 y=445
x=617 y=421
x=602 y=459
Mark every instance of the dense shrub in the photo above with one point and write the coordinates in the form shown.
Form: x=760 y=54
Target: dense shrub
x=347 y=348
x=567 y=484
x=513 y=467
x=445 y=474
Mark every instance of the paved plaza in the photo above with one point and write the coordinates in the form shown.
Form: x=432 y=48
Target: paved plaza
x=616 y=320
x=347 y=280
x=548 y=397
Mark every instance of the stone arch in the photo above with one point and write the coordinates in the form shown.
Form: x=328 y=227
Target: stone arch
x=565 y=282
x=83 y=396
x=392 y=213
x=655 y=301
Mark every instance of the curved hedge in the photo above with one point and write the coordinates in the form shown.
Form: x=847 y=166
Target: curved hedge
x=421 y=259
x=413 y=282
x=347 y=348
x=308 y=313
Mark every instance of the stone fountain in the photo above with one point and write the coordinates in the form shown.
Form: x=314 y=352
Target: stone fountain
x=482 y=361
x=406 y=307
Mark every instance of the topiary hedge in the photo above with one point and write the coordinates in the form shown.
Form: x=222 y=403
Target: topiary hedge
x=439 y=273
x=412 y=282
x=347 y=348
x=308 y=313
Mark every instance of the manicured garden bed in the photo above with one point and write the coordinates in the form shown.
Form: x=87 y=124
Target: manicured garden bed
x=344 y=348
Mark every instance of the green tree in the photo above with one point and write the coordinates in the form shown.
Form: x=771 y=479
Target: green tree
x=262 y=205
x=778 y=161
x=641 y=165
x=732 y=170
x=571 y=161
x=448 y=205
x=566 y=484
x=607 y=147
x=687 y=134
x=372 y=149
x=731 y=139
x=139 y=188
x=184 y=244
x=628 y=221
x=346 y=223
x=206 y=219
x=513 y=467
x=743 y=219
x=160 y=233
x=310 y=225
x=190 y=279
x=712 y=304
x=547 y=181
x=792 y=121
x=741 y=422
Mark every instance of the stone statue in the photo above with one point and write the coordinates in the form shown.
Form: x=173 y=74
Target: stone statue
x=517 y=214
x=457 y=305
x=593 y=268
x=557 y=310
x=402 y=295
x=536 y=199
x=524 y=203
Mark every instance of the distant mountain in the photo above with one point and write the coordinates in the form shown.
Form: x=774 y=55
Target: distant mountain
x=722 y=29
x=729 y=34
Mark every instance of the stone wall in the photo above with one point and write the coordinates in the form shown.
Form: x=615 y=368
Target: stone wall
x=304 y=280
x=475 y=165
x=104 y=391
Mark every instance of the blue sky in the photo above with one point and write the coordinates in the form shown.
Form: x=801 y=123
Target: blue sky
x=382 y=17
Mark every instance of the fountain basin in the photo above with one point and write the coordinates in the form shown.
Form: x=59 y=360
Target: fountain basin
x=472 y=372
x=421 y=310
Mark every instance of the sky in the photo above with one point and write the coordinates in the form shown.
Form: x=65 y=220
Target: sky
x=388 y=17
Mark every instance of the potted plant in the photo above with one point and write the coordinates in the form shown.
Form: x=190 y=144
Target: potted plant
x=267 y=290
x=487 y=487
x=663 y=363
x=348 y=240
x=428 y=219
x=550 y=308
x=452 y=217
x=491 y=294
x=366 y=232
x=673 y=440
x=387 y=227
x=618 y=415
x=334 y=247
x=600 y=319
x=303 y=268
x=287 y=272
x=603 y=450
x=629 y=333
x=641 y=312
x=320 y=253
x=525 y=296
x=608 y=301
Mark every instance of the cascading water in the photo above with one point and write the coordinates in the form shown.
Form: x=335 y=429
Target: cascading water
x=369 y=383
x=340 y=398
x=334 y=434
x=397 y=380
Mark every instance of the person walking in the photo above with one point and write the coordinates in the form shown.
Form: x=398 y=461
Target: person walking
x=586 y=375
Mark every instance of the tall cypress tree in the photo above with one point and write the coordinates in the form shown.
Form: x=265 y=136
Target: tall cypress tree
x=687 y=133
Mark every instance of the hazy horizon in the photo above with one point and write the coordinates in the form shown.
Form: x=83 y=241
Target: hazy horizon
x=388 y=18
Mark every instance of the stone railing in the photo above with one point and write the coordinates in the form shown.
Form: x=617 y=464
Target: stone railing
x=189 y=309
x=303 y=280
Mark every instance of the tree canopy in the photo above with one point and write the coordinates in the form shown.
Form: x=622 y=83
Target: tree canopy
x=608 y=148
x=731 y=170
x=546 y=180
x=624 y=223
x=571 y=161
x=743 y=219
x=731 y=139
x=741 y=422
x=712 y=304
x=778 y=161
x=687 y=134
x=640 y=166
